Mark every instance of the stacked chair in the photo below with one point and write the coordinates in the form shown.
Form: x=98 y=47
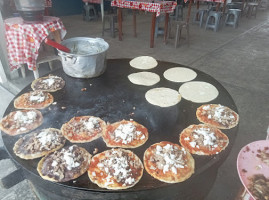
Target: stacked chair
x=111 y=18
x=232 y=17
x=89 y=11
x=176 y=20
x=213 y=20
x=199 y=16
x=251 y=9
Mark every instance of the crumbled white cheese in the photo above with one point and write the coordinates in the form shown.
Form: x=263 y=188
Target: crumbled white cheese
x=130 y=180
x=118 y=167
x=22 y=129
x=49 y=81
x=174 y=170
x=37 y=96
x=196 y=136
x=142 y=137
x=26 y=118
x=187 y=138
x=193 y=144
x=206 y=107
x=108 y=180
x=209 y=138
x=93 y=174
x=171 y=158
x=218 y=111
x=69 y=159
x=54 y=163
x=100 y=165
x=45 y=137
x=168 y=147
x=152 y=167
x=91 y=123
x=126 y=133
x=165 y=168
x=158 y=148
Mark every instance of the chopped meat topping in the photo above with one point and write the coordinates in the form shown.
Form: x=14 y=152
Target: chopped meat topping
x=221 y=114
x=64 y=164
x=259 y=187
x=126 y=133
x=38 y=97
x=204 y=136
x=120 y=166
x=21 y=119
x=50 y=83
x=87 y=126
x=168 y=158
x=45 y=140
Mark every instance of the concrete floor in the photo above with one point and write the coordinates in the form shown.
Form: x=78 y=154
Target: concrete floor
x=237 y=58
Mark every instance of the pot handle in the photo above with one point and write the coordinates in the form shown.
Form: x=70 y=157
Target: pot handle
x=73 y=58
x=65 y=56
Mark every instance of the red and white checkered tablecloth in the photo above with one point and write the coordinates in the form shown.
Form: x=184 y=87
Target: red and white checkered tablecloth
x=23 y=40
x=48 y=3
x=158 y=6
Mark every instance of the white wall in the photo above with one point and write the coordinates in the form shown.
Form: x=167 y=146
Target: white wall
x=5 y=73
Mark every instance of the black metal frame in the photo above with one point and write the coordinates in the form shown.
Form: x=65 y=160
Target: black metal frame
x=113 y=97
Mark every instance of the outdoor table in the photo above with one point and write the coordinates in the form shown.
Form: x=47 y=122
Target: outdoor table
x=157 y=8
x=24 y=39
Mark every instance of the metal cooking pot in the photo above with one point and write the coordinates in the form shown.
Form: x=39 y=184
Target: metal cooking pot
x=87 y=58
x=29 y=5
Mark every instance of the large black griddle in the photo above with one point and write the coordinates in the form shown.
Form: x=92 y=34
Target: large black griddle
x=113 y=97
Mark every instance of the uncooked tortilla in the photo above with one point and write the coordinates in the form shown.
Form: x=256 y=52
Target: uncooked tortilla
x=198 y=91
x=144 y=78
x=179 y=74
x=163 y=97
x=143 y=62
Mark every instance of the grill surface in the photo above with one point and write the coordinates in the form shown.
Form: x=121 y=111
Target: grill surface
x=113 y=97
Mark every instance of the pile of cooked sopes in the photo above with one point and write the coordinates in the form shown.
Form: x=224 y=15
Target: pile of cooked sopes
x=116 y=168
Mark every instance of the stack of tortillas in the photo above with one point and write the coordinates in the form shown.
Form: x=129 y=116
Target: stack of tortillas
x=195 y=91
x=144 y=78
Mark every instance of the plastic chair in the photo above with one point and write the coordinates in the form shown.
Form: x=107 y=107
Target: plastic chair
x=180 y=26
x=263 y=5
x=213 y=20
x=199 y=16
x=159 y=30
x=235 y=5
x=89 y=12
x=251 y=9
x=112 y=18
x=178 y=13
x=232 y=17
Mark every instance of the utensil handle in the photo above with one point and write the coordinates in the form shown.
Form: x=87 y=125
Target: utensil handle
x=57 y=45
